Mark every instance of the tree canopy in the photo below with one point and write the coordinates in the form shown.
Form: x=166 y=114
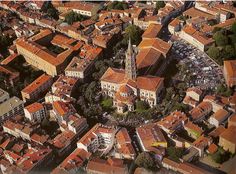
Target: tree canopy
x=220 y=38
x=50 y=10
x=72 y=17
x=134 y=33
x=145 y=160
x=141 y=106
x=214 y=52
x=233 y=28
x=160 y=4
x=117 y=5
x=174 y=153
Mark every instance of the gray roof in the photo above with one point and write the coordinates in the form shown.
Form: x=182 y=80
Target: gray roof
x=9 y=105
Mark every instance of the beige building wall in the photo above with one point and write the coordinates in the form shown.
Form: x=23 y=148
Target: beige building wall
x=227 y=145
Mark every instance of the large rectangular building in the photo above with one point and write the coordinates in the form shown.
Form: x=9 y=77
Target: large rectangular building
x=37 y=88
x=230 y=72
x=11 y=107
x=48 y=51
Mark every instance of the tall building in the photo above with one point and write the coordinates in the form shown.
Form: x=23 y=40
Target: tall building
x=11 y=107
x=125 y=87
x=130 y=65
x=37 y=88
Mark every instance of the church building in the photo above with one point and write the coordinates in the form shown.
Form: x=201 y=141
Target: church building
x=125 y=87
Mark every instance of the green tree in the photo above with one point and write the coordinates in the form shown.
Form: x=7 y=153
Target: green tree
x=174 y=153
x=223 y=90
x=107 y=104
x=134 y=33
x=145 y=160
x=233 y=28
x=141 y=106
x=73 y=17
x=90 y=91
x=160 y=4
x=220 y=38
x=52 y=12
x=221 y=156
x=117 y=5
x=229 y=52
x=216 y=29
x=48 y=8
x=214 y=53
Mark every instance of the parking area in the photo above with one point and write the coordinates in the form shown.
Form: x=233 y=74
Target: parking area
x=203 y=71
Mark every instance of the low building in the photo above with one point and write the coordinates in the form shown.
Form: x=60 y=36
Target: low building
x=125 y=149
x=174 y=26
x=197 y=38
x=63 y=142
x=35 y=112
x=230 y=72
x=184 y=168
x=109 y=166
x=151 y=138
x=201 y=144
x=11 y=107
x=48 y=51
x=11 y=77
x=232 y=120
x=83 y=8
x=152 y=31
x=62 y=90
x=219 y=117
x=73 y=163
x=216 y=102
x=62 y=111
x=173 y=122
x=193 y=130
x=37 y=88
x=193 y=96
x=99 y=136
x=228 y=139
x=201 y=111
x=195 y=93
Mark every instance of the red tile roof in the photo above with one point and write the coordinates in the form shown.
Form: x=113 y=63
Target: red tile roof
x=34 y=107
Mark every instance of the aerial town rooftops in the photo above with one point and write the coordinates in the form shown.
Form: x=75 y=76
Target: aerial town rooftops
x=34 y=107
x=172 y=121
x=193 y=12
x=220 y=115
x=62 y=108
x=175 y=22
x=37 y=83
x=229 y=134
x=63 y=139
x=147 y=57
x=156 y=44
x=230 y=67
x=8 y=105
x=84 y=6
x=201 y=110
x=74 y=160
x=105 y=166
x=152 y=31
x=150 y=134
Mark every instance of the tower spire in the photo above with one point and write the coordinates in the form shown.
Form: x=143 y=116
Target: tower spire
x=130 y=62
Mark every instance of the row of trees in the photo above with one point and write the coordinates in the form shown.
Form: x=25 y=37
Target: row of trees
x=225 y=44
x=117 y=5
x=72 y=17
x=50 y=10
x=134 y=33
